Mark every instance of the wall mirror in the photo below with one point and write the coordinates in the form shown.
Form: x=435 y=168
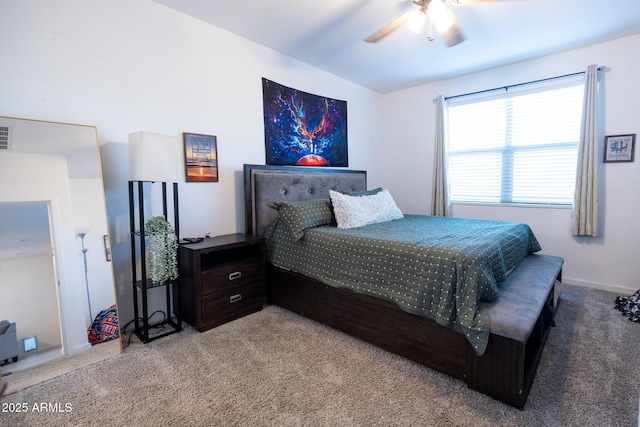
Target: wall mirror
x=56 y=273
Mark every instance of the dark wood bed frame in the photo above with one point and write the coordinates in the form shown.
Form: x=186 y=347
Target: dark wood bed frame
x=505 y=371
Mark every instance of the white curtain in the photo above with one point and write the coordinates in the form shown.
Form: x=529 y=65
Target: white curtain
x=585 y=219
x=440 y=200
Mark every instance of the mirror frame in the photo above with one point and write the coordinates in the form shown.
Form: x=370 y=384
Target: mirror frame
x=70 y=213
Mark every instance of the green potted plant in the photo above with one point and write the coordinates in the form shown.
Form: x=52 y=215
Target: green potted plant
x=162 y=250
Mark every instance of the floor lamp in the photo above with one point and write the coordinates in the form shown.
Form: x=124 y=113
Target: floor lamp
x=86 y=274
x=153 y=159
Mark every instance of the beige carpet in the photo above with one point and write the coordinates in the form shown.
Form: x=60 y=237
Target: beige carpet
x=20 y=378
x=276 y=368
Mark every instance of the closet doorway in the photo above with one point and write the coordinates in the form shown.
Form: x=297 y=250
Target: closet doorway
x=28 y=285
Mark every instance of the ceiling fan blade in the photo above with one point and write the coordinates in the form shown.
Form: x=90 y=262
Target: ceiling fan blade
x=452 y=35
x=390 y=27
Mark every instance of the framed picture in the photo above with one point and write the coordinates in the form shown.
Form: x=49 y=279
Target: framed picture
x=619 y=148
x=200 y=157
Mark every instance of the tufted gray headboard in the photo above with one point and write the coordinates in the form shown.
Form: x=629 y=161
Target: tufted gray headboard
x=264 y=184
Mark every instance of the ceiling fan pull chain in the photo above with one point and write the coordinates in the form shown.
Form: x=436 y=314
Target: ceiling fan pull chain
x=430 y=35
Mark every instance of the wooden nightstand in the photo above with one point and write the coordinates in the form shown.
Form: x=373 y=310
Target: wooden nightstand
x=221 y=279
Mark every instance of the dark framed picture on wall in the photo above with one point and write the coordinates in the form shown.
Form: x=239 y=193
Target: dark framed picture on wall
x=200 y=157
x=619 y=148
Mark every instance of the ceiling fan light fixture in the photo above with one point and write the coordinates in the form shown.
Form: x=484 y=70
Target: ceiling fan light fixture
x=416 y=21
x=441 y=17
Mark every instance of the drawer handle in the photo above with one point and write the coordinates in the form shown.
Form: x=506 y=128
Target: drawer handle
x=235 y=275
x=235 y=298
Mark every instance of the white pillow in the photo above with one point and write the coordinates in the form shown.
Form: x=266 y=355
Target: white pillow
x=356 y=211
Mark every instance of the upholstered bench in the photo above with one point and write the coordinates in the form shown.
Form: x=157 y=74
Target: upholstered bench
x=523 y=296
x=521 y=318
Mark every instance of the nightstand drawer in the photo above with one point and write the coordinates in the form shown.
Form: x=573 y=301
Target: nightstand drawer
x=232 y=303
x=232 y=275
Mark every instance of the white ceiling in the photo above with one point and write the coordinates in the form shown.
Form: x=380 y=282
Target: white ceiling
x=328 y=34
x=24 y=230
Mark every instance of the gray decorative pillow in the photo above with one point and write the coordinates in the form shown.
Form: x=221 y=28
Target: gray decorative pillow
x=363 y=192
x=300 y=216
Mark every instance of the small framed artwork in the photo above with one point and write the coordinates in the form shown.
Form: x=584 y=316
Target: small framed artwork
x=619 y=148
x=200 y=157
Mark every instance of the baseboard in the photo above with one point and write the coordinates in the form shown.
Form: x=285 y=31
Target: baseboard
x=610 y=288
x=79 y=349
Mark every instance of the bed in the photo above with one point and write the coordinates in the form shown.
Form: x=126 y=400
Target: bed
x=497 y=356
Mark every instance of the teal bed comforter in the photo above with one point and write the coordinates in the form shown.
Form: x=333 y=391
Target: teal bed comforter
x=438 y=267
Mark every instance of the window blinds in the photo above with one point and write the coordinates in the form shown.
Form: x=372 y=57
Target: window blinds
x=516 y=145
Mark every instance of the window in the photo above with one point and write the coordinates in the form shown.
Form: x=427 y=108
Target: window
x=518 y=146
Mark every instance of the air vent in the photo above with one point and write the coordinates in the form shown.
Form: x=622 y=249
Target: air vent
x=5 y=138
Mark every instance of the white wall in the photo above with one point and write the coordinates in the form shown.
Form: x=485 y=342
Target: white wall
x=135 y=65
x=28 y=297
x=88 y=211
x=611 y=261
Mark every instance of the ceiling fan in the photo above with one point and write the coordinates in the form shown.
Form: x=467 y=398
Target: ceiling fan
x=439 y=15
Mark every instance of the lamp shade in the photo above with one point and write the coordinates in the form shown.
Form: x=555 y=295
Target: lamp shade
x=154 y=157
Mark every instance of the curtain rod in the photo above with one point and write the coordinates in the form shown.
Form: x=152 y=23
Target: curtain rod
x=506 y=88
